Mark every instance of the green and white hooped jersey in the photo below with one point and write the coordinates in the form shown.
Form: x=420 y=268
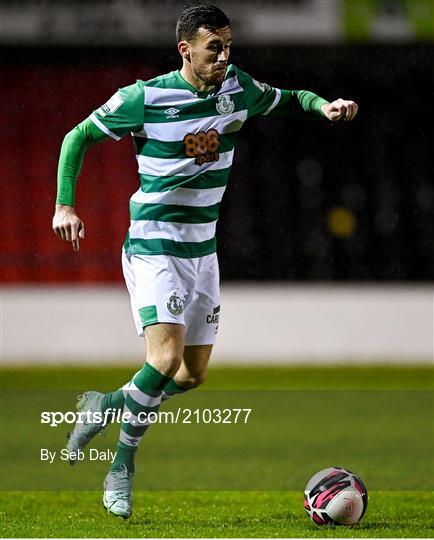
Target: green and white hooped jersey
x=184 y=142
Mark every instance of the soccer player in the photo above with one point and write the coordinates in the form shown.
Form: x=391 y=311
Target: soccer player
x=184 y=127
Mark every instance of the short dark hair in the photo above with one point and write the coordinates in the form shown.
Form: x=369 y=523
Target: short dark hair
x=194 y=17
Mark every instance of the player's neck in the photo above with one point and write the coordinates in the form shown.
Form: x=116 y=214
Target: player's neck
x=200 y=85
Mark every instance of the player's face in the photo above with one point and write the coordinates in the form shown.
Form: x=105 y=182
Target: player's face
x=209 y=54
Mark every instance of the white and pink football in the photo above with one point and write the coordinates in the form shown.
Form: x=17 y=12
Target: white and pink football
x=335 y=496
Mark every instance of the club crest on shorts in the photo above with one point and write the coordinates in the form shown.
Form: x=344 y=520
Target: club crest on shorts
x=174 y=305
x=225 y=105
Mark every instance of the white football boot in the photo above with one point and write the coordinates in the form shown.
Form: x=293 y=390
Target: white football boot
x=117 y=492
x=85 y=431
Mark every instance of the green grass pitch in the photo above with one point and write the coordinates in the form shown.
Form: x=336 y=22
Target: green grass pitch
x=238 y=480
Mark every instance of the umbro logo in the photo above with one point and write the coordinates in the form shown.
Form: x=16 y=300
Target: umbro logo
x=172 y=112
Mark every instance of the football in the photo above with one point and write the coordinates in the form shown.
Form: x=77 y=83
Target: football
x=335 y=496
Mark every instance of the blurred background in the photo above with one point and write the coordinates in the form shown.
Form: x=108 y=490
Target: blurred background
x=325 y=230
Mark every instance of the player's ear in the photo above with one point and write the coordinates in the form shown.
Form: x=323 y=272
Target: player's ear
x=184 y=50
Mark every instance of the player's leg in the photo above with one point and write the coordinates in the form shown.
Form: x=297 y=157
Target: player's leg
x=158 y=291
x=194 y=368
x=191 y=373
x=165 y=347
x=144 y=288
x=167 y=286
x=164 y=354
x=201 y=314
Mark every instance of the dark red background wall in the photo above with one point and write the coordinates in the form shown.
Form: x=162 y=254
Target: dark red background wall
x=41 y=103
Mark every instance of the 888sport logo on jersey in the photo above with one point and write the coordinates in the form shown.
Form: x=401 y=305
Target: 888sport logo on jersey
x=204 y=146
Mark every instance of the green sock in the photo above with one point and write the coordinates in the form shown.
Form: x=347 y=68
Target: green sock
x=143 y=397
x=171 y=389
x=124 y=457
x=113 y=400
x=116 y=399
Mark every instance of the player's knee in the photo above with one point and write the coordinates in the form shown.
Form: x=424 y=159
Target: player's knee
x=193 y=380
x=167 y=362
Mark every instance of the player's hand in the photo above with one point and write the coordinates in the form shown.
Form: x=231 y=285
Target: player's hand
x=340 y=109
x=67 y=225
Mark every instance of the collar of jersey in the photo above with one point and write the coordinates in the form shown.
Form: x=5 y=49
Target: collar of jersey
x=198 y=93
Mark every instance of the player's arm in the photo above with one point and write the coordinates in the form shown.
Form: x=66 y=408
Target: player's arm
x=263 y=99
x=303 y=102
x=123 y=113
x=66 y=224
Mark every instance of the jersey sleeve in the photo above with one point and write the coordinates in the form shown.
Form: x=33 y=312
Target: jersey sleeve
x=299 y=103
x=123 y=113
x=74 y=147
x=261 y=97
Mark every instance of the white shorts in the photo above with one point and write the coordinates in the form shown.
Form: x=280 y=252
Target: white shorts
x=167 y=289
